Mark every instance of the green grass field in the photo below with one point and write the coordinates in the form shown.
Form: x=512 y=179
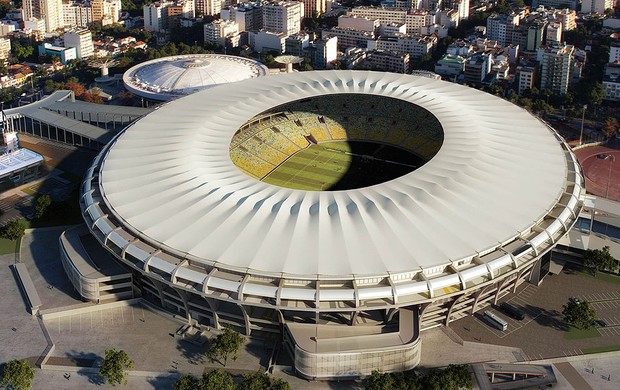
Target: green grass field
x=601 y=349
x=577 y=334
x=316 y=168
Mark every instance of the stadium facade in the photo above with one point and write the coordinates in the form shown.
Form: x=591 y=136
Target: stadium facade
x=346 y=278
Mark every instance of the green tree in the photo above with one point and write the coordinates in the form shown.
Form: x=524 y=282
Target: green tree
x=305 y=66
x=42 y=206
x=599 y=260
x=14 y=229
x=262 y=381
x=578 y=314
x=17 y=375
x=380 y=381
x=186 y=382
x=224 y=345
x=611 y=127
x=21 y=52
x=114 y=367
x=216 y=380
x=279 y=384
x=596 y=94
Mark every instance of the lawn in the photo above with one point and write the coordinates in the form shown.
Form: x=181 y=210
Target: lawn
x=600 y=349
x=605 y=277
x=577 y=334
x=8 y=246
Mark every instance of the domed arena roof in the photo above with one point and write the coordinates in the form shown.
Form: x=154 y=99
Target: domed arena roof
x=170 y=179
x=171 y=77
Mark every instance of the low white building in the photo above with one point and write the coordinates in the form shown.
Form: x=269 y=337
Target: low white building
x=439 y=30
x=348 y=37
x=358 y=23
x=450 y=66
x=265 y=41
x=323 y=52
x=392 y=29
x=6 y=28
x=415 y=45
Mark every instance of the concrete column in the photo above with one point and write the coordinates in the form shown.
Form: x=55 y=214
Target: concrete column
x=185 y=299
x=216 y=317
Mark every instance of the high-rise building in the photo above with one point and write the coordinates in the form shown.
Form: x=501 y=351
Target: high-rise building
x=48 y=10
x=106 y=12
x=82 y=40
x=535 y=34
x=528 y=75
x=566 y=17
x=284 y=17
x=248 y=16
x=555 y=63
x=5 y=49
x=77 y=14
x=222 y=32
x=500 y=27
x=596 y=6
x=313 y=7
x=614 y=52
x=208 y=7
x=324 y=51
x=156 y=16
x=554 y=33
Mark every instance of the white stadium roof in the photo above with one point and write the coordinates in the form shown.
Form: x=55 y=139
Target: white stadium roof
x=170 y=77
x=170 y=178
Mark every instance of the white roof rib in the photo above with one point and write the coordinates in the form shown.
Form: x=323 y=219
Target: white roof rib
x=170 y=177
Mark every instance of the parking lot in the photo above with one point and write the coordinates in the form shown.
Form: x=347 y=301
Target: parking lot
x=513 y=325
x=543 y=334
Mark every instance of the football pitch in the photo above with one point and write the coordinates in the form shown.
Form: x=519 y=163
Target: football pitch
x=316 y=168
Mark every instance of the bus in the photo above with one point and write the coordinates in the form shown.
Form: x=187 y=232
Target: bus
x=495 y=321
x=512 y=311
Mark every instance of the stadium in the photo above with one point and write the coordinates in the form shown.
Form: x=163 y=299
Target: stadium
x=171 y=77
x=341 y=212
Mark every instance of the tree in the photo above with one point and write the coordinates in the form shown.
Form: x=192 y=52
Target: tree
x=596 y=94
x=224 y=345
x=599 y=260
x=77 y=88
x=305 y=66
x=17 y=375
x=14 y=229
x=216 y=380
x=578 y=314
x=186 y=382
x=379 y=381
x=42 y=206
x=261 y=381
x=611 y=127
x=114 y=367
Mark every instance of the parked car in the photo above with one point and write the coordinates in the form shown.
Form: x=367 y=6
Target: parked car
x=574 y=300
x=600 y=323
x=512 y=311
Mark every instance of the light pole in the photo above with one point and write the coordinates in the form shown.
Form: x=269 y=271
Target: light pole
x=583 y=116
x=611 y=163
